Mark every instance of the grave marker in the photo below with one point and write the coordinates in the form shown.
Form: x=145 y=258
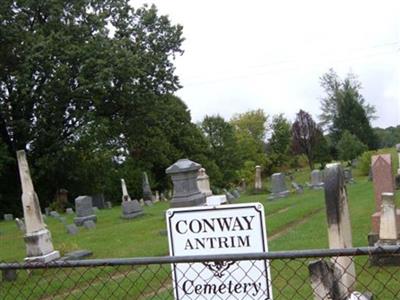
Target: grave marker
x=147 y=194
x=257 y=181
x=317 y=179
x=278 y=188
x=39 y=246
x=204 y=183
x=8 y=217
x=84 y=210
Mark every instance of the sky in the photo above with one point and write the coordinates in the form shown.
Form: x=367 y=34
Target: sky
x=245 y=55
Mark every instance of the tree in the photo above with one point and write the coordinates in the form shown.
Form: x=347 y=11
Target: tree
x=350 y=147
x=220 y=136
x=305 y=136
x=63 y=72
x=280 y=141
x=352 y=117
x=250 y=130
x=336 y=90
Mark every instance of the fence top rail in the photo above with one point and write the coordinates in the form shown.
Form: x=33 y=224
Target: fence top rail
x=293 y=254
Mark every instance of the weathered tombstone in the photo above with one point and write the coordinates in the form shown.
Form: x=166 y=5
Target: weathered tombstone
x=20 y=225
x=229 y=197
x=125 y=195
x=339 y=226
x=8 y=217
x=69 y=211
x=348 y=175
x=388 y=231
x=62 y=198
x=147 y=194
x=108 y=204
x=243 y=186
x=131 y=209
x=77 y=255
x=297 y=187
x=98 y=201
x=258 y=181
x=84 y=210
x=235 y=193
x=47 y=211
x=54 y=214
x=184 y=177
x=278 y=186
x=383 y=183
x=72 y=229
x=317 y=179
x=89 y=224
x=9 y=274
x=39 y=246
x=63 y=220
x=157 y=197
x=204 y=183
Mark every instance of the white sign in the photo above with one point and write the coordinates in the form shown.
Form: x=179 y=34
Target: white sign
x=227 y=229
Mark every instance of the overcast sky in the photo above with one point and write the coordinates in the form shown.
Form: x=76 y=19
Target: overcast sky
x=243 y=55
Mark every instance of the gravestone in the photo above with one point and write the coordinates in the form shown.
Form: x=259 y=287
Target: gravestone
x=108 y=204
x=348 y=175
x=39 y=246
x=8 y=217
x=278 y=186
x=69 y=211
x=131 y=209
x=98 y=201
x=89 y=224
x=243 y=186
x=47 y=211
x=54 y=214
x=204 y=183
x=125 y=195
x=77 y=255
x=9 y=275
x=383 y=183
x=339 y=226
x=84 y=210
x=235 y=193
x=20 y=225
x=157 y=197
x=61 y=198
x=317 y=179
x=72 y=229
x=297 y=187
x=229 y=197
x=63 y=220
x=184 y=177
x=147 y=194
x=258 y=181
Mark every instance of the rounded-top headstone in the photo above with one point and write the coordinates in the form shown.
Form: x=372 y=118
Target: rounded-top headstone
x=182 y=166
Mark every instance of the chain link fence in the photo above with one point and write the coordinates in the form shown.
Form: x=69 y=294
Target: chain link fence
x=292 y=276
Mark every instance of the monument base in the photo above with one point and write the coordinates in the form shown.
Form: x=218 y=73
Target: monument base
x=385 y=259
x=195 y=200
x=43 y=258
x=80 y=220
x=376 y=220
x=132 y=215
x=274 y=196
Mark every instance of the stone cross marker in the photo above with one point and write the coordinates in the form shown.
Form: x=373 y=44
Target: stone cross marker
x=147 y=193
x=203 y=182
x=339 y=226
x=39 y=246
x=258 y=181
x=278 y=188
x=184 y=177
x=84 y=210
x=383 y=183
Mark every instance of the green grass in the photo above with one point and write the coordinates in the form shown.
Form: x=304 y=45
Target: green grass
x=295 y=222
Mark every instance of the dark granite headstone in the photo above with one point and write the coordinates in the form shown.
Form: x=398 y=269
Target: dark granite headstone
x=98 y=201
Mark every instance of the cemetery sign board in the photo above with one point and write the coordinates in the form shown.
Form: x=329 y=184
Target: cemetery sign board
x=227 y=229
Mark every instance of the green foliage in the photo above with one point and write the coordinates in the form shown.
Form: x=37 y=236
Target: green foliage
x=322 y=154
x=349 y=146
x=221 y=139
x=388 y=137
x=364 y=162
x=279 y=150
x=344 y=108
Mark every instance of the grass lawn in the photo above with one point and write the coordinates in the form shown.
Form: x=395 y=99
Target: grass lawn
x=295 y=222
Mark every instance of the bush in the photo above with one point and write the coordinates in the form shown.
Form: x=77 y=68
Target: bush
x=364 y=162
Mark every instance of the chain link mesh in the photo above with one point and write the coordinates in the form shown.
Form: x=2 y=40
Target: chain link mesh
x=375 y=274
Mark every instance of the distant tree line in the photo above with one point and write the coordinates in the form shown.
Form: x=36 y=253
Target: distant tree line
x=87 y=89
